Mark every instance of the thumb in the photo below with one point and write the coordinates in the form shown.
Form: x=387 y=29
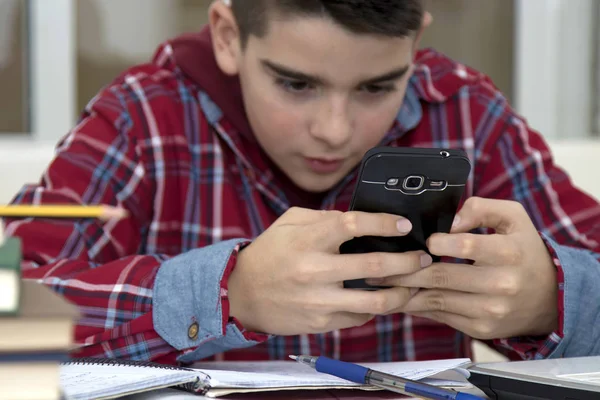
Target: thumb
x=501 y=215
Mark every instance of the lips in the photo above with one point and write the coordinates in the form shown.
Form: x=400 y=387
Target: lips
x=324 y=166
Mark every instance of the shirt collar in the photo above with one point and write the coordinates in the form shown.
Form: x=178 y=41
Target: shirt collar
x=411 y=111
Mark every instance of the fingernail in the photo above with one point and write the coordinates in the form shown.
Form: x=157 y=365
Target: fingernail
x=374 y=281
x=426 y=260
x=456 y=221
x=413 y=291
x=403 y=225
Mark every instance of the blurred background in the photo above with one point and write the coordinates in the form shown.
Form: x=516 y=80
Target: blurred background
x=56 y=54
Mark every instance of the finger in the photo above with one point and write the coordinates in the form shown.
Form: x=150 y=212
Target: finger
x=502 y=281
x=476 y=328
x=353 y=224
x=503 y=216
x=466 y=304
x=458 y=322
x=345 y=320
x=338 y=320
x=458 y=277
x=378 y=302
x=491 y=249
x=341 y=267
x=304 y=216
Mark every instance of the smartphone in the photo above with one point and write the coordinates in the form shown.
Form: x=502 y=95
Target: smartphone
x=424 y=185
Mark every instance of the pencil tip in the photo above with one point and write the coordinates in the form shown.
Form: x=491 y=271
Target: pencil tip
x=293 y=357
x=115 y=213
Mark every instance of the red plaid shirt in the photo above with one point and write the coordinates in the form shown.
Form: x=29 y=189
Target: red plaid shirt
x=154 y=143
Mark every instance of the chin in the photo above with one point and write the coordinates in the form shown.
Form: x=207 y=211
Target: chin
x=317 y=184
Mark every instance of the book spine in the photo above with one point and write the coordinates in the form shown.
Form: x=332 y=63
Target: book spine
x=10 y=276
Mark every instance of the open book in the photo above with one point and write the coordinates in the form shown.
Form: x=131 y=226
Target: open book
x=105 y=379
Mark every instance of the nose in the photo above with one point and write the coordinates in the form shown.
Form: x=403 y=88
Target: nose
x=333 y=124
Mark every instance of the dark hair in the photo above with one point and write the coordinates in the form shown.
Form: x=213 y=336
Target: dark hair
x=396 y=18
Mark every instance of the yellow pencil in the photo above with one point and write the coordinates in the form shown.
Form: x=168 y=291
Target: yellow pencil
x=62 y=211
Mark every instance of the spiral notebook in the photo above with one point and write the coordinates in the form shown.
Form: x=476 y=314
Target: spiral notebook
x=93 y=378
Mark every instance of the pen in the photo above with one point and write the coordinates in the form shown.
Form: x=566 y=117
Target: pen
x=62 y=211
x=359 y=374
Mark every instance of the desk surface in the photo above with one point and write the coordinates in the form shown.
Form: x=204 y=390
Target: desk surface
x=342 y=394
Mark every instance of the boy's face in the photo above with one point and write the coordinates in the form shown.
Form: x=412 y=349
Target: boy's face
x=318 y=96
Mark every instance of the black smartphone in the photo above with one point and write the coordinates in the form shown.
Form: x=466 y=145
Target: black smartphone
x=424 y=185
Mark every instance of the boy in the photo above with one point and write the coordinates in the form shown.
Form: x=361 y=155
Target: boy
x=235 y=153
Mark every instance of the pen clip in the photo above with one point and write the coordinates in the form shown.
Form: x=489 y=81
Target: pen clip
x=391 y=388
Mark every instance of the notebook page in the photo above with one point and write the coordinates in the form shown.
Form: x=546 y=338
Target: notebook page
x=292 y=374
x=101 y=381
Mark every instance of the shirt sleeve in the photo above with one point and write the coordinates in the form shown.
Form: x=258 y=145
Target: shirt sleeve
x=516 y=164
x=133 y=304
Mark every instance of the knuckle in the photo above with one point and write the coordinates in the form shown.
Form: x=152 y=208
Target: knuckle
x=303 y=274
x=440 y=278
x=320 y=323
x=375 y=265
x=466 y=246
x=497 y=310
x=436 y=302
x=484 y=330
x=403 y=298
x=349 y=222
x=512 y=255
x=380 y=304
x=474 y=203
x=508 y=285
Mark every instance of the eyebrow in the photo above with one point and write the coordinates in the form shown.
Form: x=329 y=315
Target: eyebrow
x=300 y=76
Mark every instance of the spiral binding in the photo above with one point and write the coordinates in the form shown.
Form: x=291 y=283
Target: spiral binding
x=198 y=386
x=119 y=362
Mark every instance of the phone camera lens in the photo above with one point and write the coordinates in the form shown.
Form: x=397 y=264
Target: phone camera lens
x=413 y=182
x=444 y=154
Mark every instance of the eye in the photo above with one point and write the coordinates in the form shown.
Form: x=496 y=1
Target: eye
x=377 y=89
x=294 y=86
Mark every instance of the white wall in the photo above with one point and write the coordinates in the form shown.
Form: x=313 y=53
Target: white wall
x=106 y=30
x=21 y=162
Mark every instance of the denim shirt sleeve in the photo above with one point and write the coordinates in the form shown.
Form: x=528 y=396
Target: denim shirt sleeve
x=578 y=273
x=187 y=291
x=581 y=293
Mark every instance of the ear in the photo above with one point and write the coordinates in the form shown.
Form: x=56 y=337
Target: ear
x=427 y=21
x=225 y=37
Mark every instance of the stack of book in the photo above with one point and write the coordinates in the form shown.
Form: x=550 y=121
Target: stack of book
x=36 y=331
x=10 y=275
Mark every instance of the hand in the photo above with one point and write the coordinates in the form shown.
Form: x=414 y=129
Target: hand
x=289 y=281
x=510 y=290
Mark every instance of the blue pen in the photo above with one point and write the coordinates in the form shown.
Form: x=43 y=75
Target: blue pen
x=359 y=374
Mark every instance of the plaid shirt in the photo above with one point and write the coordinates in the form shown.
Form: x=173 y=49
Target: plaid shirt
x=154 y=143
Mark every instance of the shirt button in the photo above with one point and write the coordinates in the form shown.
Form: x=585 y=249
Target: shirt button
x=193 y=331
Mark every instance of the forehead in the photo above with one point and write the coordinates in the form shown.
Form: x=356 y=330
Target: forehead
x=319 y=46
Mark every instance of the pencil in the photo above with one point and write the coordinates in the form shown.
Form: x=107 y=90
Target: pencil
x=62 y=211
